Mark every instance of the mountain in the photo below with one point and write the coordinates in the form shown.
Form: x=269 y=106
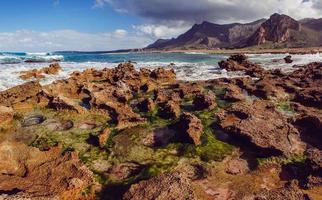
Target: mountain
x=209 y=35
x=277 y=31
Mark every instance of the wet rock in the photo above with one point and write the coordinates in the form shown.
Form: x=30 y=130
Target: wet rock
x=164 y=186
x=33 y=120
x=204 y=101
x=239 y=62
x=159 y=137
x=59 y=126
x=87 y=125
x=169 y=110
x=288 y=59
x=262 y=126
x=21 y=93
x=124 y=170
x=33 y=173
x=291 y=191
x=6 y=115
x=52 y=69
x=31 y=74
x=147 y=105
x=191 y=128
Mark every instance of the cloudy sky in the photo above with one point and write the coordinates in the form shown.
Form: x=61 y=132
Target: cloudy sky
x=88 y=25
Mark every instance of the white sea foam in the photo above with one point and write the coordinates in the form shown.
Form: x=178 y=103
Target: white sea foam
x=9 y=73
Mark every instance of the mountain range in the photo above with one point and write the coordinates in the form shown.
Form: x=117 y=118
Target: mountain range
x=279 y=31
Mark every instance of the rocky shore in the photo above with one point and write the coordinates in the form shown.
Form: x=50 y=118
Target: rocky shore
x=127 y=134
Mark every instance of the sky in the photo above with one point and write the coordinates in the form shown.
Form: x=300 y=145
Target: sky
x=97 y=25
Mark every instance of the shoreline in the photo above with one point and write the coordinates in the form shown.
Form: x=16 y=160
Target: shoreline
x=310 y=50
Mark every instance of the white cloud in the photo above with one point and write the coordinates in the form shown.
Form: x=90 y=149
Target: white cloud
x=162 y=31
x=28 y=40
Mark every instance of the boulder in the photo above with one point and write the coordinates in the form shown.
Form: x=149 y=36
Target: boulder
x=164 y=186
x=54 y=125
x=33 y=120
x=52 y=69
x=190 y=128
x=259 y=124
x=169 y=110
x=204 y=101
x=87 y=125
x=233 y=93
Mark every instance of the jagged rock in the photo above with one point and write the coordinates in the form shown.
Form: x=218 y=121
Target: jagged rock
x=64 y=103
x=52 y=69
x=30 y=172
x=288 y=59
x=33 y=120
x=309 y=124
x=147 y=105
x=261 y=125
x=290 y=191
x=21 y=93
x=163 y=75
x=240 y=63
x=169 y=110
x=162 y=96
x=6 y=115
x=191 y=128
x=204 y=101
x=314 y=156
x=164 y=186
x=233 y=93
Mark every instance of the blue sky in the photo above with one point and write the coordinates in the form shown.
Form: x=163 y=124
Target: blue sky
x=89 y=25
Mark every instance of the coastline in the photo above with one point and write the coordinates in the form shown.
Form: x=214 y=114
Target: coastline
x=311 y=50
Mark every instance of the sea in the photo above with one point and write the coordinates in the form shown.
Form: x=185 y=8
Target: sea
x=188 y=66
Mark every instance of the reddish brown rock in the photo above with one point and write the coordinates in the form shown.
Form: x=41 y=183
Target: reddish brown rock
x=261 y=125
x=20 y=94
x=169 y=110
x=52 y=69
x=164 y=186
x=6 y=116
x=204 y=101
x=163 y=75
x=191 y=128
x=240 y=63
x=237 y=166
x=103 y=137
x=124 y=170
x=233 y=93
x=290 y=192
x=64 y=103
x=29 y=172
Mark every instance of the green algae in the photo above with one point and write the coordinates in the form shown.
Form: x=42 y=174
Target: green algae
x=295 y=158
x=285 y=108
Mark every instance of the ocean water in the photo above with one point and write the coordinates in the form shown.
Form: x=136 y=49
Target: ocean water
x=188 y=66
